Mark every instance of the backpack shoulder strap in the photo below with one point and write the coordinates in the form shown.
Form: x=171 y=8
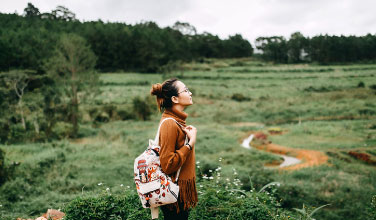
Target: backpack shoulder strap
x=156 y=140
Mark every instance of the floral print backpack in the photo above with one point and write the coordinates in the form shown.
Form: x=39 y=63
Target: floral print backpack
x=154 y=187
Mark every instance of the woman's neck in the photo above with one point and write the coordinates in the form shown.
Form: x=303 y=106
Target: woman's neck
x=179 y=108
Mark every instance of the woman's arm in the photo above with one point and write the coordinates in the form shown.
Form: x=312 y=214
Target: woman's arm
x=171 y=159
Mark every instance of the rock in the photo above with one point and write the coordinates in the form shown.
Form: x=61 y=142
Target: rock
x=41 y=218
x=53 y=214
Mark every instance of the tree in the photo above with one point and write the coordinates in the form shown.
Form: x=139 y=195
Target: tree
x=184 y=28
x=72 y=66
x=31 y=11
x=297 y=47
x=273 y=48
x=18 y=81
x=63 y=13
x=237 y=46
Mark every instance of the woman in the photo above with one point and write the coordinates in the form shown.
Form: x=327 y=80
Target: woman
x=172 y=98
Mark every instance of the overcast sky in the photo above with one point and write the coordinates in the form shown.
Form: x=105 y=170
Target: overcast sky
x=250 y=18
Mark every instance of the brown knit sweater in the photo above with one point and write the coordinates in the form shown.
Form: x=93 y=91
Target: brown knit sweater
x=173 y=155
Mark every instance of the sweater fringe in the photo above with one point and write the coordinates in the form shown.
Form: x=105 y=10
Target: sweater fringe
x=187 y=195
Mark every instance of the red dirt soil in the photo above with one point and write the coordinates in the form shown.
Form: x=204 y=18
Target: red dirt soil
x=309 y=158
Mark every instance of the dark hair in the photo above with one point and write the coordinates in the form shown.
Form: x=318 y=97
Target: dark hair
x=164 y=92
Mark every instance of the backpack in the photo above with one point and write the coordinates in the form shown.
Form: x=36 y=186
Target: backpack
x=154 y=187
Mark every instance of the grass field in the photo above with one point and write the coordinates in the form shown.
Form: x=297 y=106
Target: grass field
x=327 y=108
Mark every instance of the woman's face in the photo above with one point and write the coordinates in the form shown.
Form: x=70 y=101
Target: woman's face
x=184 y=95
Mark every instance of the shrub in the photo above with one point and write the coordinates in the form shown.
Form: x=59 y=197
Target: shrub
x=110 y=113
x=373 y=86
x=240 y=97
x=110 y=110
x=320 y=89
x=142 y=108
x=106 y=206
x=62 y=130
x=125 y=115
x=366 y=111
x=102 y=117
x=3 y=175
x=361 y=85
x=238 y=63
x=16 y=190
x=220 y=198
x=371 y=212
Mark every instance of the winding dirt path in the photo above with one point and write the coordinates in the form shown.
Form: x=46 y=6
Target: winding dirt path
x=308 y=158
x=293 y=158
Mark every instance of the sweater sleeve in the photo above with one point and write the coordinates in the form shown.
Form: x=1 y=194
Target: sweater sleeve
x=171 y=158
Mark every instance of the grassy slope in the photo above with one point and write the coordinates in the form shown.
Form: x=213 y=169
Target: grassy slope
x=323 y=98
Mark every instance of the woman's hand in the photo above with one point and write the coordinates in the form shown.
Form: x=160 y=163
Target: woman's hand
x=191 y=133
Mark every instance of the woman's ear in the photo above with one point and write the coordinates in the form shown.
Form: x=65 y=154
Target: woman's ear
x=175 y=99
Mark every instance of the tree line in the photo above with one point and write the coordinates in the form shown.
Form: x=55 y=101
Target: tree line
x=27 y=40
x=323 y=49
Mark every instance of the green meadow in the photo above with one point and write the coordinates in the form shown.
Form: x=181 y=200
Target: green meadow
x=329 y=108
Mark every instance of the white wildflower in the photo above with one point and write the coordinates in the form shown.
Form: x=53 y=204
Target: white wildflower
x=99 y=184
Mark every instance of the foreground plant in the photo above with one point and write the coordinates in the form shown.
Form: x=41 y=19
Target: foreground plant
x=306 y=214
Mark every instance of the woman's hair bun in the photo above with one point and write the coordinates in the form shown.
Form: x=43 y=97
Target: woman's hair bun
x=156 y=89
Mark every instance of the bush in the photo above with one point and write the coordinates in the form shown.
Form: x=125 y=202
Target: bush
x=372 y=210
x=3 y=175
x=125 y=115
x=62 y=130
x=220 y=198
x=320 y=89
x=366 y=111
x=361 y=85
x=223 y=198
x=239 y=97
x=373 y=86
x=142 y=108
x=106 y=206
x=16 y=190
x=110 y=113
x=15 y=133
